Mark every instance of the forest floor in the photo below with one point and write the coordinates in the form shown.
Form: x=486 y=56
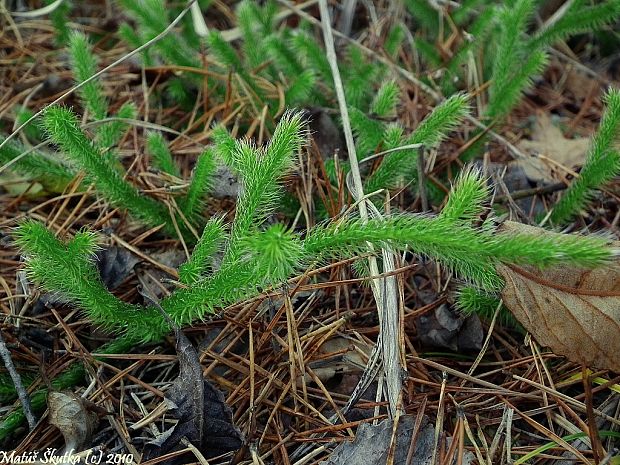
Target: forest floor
x=475 y=390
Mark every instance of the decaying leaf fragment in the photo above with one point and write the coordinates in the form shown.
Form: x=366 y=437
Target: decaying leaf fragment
x=68 y=413
x=575 y=312
x=204 y=417
x=372 y=444
x=550 y=150
x=339 y=355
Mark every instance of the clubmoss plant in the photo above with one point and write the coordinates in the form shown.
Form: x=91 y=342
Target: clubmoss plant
x=158 y=149
x=53 y=174
x=399 y=165
x=79 y=278
x=64 y=130
x=60 y=21
x=84 y=64
x=602 y=164
x=256 y=256
x=201 y=260
x=501 y=45
x=32 y=131
x=58 y=173
x=152 y=17
x=193 y=202
x=268 y=58
x=474 y=301
x=515 y=64
x=105 y=173
x=232 y=262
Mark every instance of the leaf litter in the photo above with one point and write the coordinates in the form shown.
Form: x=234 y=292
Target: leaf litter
x=575 y=312
x=378 y=444
x=70 y=414
x=203 y=417
x=282 y=420
x=552 y=156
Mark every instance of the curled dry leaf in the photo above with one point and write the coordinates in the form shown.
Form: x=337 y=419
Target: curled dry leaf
x=575 y=312
x=68 y=413
x=203 y=416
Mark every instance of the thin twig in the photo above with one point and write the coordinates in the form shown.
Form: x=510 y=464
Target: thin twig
x=386 y=298
x=17 y=381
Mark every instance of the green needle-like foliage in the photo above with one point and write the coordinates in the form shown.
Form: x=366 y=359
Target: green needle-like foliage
x=157 y=148
x=358 y=77
x=580 y=17
x=129 y=35
x=368 y=132
x=466 y=197
x=84 y=66
x=52 y=173
x=384 y=103
x=456 y=245
x=261 y=171
x=426 y=16
x=402 y=163
x=279 y=50
x=231 y=262
x=228 y=57
x=201 y=259
x=277 y=253
x=506 y=94
x=200 y=184
x=153 y=17
x=308 y=48
x=602 y=163
x=513 y=67
x=471 y=300
x=60 y=21
x=479 y=30
x=443 y=119
x=32 y=131
x=63 y=128
x=299 y=79
x=519 y=58
x=423 y=234
x=79 y=279
x=256 y=257
x=225 y=146
x=7 y=387
x=224 y=52
x=110 y=133
x=248 y=21
x=300 y=89
x=513 y=20
x=394 y=40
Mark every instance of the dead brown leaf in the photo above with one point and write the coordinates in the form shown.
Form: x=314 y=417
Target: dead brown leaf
x=575 y=312
x=68 y=413
x=552 y=154
x=204 y=418
x=409 y=442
